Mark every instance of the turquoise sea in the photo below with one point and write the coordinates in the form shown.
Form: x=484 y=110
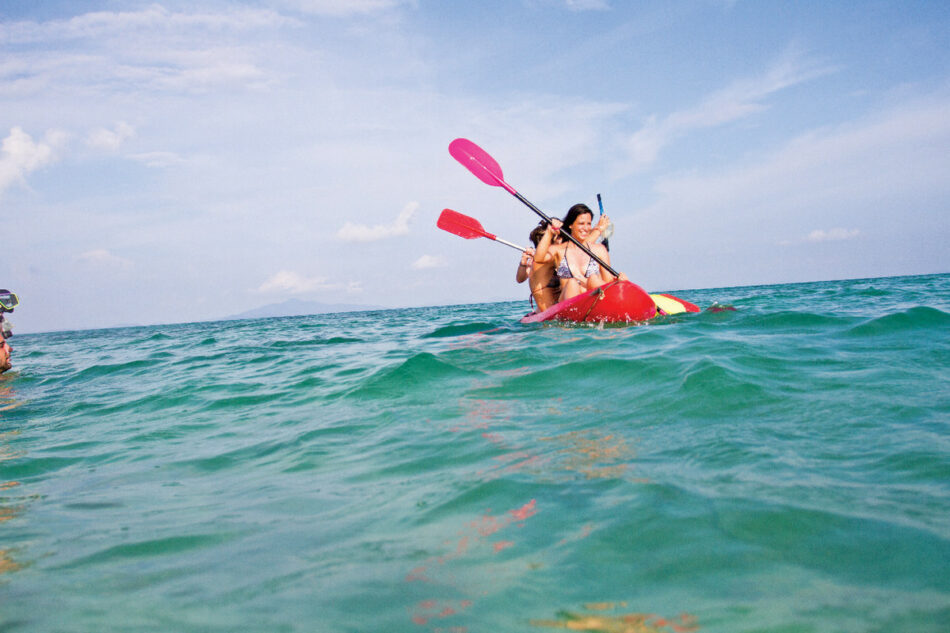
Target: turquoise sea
x=784 y=467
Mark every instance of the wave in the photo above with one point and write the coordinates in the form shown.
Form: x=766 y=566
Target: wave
x=790 y=319
x=148 y=549
x=151 y=338
x=243 y=401
x=461 y=329
x=316 y=342
x=910 y=320
x=423 y=374
x=110 y=369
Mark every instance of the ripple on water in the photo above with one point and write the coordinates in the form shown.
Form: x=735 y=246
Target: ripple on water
x=316 y=342
x=460 y=329
x=419 y=375
x=133 y=367
x=907 y=321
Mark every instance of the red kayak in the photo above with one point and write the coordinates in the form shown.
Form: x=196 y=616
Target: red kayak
x=616 y=302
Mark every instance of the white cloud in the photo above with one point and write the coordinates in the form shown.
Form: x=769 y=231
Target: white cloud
x=153 y=48
x=341 y=8
x=20 y=155
x=832 y=235
x=901 y=152
x=571 y=5
x=351 y=232
x=885 y=173
x=429 y=261
x=739 y=100
x=205 y=70
x=100 y=24
x=587 y=5
x=110 y=140
x=158 y=159
x=538 y=143
x=102 y=258
x=286 y=281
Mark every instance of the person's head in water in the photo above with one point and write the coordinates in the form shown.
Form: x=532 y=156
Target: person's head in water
x=5 y=361
x=578 y=221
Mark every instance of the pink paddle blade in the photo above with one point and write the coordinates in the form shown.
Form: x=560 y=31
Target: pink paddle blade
x=479 y=162
x=461 y=225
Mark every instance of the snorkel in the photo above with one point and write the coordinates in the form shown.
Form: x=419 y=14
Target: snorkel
x=610 y=226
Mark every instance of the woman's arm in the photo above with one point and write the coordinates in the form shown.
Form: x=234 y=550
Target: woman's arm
x=598 y=230
x=524 y=268
x=545 y=250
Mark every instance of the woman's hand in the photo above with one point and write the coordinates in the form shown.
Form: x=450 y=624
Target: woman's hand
x=527 y=257
x=524 y=268
x=603 y=222
x=554 y=227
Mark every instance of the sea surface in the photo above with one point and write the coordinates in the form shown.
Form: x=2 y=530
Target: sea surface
x=784 y=467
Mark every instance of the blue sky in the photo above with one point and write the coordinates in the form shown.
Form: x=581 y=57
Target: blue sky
x=179 y=161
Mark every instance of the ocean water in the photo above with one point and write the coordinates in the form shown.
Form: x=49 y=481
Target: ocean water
x=783 y=467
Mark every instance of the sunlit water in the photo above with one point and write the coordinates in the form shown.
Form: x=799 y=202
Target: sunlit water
x=782 y=467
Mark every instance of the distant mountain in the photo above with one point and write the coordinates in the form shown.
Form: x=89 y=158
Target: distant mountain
x=298 y=307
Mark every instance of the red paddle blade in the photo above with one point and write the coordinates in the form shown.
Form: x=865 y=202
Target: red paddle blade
x=478 y=161
x=461 y=225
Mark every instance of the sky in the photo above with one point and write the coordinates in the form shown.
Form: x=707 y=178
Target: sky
x=178 y=161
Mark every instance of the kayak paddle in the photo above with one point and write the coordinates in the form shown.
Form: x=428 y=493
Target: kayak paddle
x=469 y=228
x=487 y=169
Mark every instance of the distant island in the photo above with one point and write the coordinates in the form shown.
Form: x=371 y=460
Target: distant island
x=299 y=307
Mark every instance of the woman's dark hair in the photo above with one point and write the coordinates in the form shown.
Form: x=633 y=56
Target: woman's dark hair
x=573 y=213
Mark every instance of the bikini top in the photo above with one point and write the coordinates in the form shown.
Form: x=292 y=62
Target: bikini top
x=564 y=269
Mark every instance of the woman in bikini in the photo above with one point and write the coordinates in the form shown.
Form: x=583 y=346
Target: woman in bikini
x=577 y=271
x=544 y=284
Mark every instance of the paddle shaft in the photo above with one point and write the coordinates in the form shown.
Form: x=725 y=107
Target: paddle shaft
x=563 y=232
x=507 y=243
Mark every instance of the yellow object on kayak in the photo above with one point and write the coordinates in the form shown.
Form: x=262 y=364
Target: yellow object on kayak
x=670 y=305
